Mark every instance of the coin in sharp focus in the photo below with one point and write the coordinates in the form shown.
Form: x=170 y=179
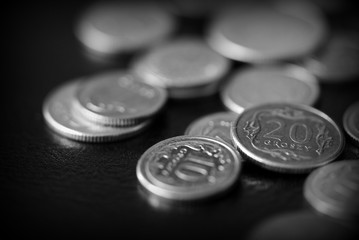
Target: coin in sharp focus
x=112 y=28
x=186 y=67
x=351 y=122
x=217 y=125
x=334 y=189
x=267 y=32
x=269 y=83
x=61 y=117
x=116 y=98
x=287 y=137
x=188 y=168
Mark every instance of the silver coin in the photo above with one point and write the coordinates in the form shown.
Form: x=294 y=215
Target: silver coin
x=267 y=32
x=116 y=98
x=267 y=84
x=217 y=125
x=60 y=116
x=287 y=137
x=188 y=168
x=186 y=67
x=334 y=189
x=351 y=122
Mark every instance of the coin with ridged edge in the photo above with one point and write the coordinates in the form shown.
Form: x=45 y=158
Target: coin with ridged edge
x=188 y=168
x=287 y=137
x=61 y=117
x=351 y=122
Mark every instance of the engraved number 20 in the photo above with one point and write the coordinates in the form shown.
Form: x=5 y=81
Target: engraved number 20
x=294 y=129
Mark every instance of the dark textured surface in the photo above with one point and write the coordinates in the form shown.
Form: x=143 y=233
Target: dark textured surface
x=52 y=186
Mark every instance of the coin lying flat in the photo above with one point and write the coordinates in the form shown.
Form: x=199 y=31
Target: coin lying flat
x=351 y=122
x=186 y=68
x=266 y=84
x=188 y=168
x=287 y=137
x=334 y=189
x=60 y=117
x=118 y=99
x=217 y=125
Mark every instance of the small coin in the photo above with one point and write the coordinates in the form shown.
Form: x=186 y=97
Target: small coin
x=334 y=189
x=257 y=33
x=217 y=125
x=351 y=122
x=287 y=137
x=185 y=67
x=60 y=116
x=116 y=98
x=188 y=168
x=267 y=84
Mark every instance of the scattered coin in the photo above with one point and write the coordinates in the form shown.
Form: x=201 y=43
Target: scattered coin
x=351 y=122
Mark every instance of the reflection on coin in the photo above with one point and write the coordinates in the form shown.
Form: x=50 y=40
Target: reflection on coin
x=334 y=189
x=267 y=84
x=287 y=137
x=112 y=27
x=61 y=117
x=118 y=99
x=186 y=68
x=217 y=125
x=188 y=168
x=267 y=32
x=351 y=122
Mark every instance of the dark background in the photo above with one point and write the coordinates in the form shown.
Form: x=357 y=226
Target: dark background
x=52 y=186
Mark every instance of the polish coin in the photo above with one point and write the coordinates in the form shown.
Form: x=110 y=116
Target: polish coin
x=117 y=99
x=217 y=125
x=351 y=122
x=60 y=116
x=188 y=168
x=268 y=84
x=287 y=137
x=334 y=189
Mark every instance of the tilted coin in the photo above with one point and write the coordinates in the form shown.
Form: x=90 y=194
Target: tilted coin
x=186 y=67
x=188 y=168
x=271 y=83
x=116 y=98
x=287 y=137
x=334 y=189
x=217 y=125
x=61 y=117
x=351 y=122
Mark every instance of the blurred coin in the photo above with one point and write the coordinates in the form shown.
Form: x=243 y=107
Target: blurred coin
x=266 y=84
x=334 y=189
x=186 y=68
x=110 y=28
x=351 y=122
x=287 y=137
x=116 y=98
x=188 y=168
x=60 y=117
x=267 y=31
x=217 y=125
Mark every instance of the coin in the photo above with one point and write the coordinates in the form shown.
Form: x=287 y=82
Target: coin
x=270 y=83
x=334 y=189
x=186 y=67
x=188 y=168
x=287 y=137
x=111 y=28
x=217 y=125
x=60 y=116
x=257 y=33
x=116 y=98
x=351 y=122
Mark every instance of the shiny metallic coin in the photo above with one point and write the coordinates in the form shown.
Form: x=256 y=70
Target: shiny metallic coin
x=185 y=67
x=111 y=28
x=217 y=125
x=188 y=168
x=267 y=84
x=334 y=189
x=117 y=99
x=287 y=137
x=267 y=31
x=60 y=116
x=351 y=122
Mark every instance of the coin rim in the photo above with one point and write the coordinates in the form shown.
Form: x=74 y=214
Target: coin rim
x=352 y=109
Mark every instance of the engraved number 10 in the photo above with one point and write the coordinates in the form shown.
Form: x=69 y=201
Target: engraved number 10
x=294 y=129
